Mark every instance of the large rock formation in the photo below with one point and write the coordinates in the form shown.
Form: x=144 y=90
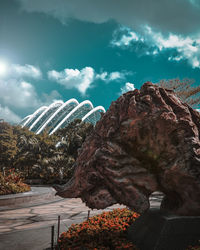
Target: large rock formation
x=148 y=140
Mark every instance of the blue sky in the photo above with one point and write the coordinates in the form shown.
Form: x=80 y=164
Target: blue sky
x=89 y=49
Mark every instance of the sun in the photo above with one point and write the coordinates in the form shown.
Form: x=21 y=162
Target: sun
x=3 y=68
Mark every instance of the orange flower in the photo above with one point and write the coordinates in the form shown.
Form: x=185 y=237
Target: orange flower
x=104 y=230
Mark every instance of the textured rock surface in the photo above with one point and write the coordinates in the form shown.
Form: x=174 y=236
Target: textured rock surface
x=148 y=140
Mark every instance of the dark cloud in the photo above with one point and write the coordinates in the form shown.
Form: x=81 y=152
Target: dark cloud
x=176 y=16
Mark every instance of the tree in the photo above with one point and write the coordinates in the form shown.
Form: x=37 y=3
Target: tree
x=8 y=144
x=184 y=90
x=45 y=157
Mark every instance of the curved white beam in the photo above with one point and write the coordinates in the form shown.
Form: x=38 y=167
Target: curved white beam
x=34 y=114
x=24 y=119
x=44 y=112
x=92 y=111
x=70 y=113
x=54 y=114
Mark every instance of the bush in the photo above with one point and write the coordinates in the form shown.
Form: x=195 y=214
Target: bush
x=12 y=183
x=43 y=158
x=104 y=231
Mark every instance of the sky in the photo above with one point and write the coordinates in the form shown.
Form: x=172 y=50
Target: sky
x=92 y=50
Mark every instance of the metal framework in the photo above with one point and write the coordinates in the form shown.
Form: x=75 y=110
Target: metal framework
x=71 y=116
x=57 y=116
x=94 y=115
x=24 y=120
x=45 y=115
x=34 y=115
x=60 y=114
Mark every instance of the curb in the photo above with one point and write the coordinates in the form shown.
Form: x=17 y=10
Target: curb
x=35 y=194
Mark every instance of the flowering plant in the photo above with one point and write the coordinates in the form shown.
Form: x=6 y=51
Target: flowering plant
x=11 y=183
x=104 y=231
x=194 y=247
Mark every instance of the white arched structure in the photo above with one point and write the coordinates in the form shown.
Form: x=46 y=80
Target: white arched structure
x=59 y=110
x=24 y=120
x=87 y=102
x=52 y=106
x=38 y=111
x=97 y=109
x=60 y=114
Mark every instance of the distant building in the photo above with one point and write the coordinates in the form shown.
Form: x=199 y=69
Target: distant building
x=60 y=114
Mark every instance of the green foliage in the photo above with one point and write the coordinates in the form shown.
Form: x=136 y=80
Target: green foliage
x=44 y=157
x=8 y=143
x=74 y=136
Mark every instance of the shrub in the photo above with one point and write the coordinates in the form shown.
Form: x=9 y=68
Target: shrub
x=104 y=231
x=12 y=183
x=48 y=159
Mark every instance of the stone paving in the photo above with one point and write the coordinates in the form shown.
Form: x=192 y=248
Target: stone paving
x=70 y=210
x=17 y=223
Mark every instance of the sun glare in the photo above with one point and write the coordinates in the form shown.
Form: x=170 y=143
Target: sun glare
x=3 y=68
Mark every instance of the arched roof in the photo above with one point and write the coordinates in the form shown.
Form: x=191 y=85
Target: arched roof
x=59 y=114
x=56 y=112
x=98 y=108
x=87 y=102
x=54 y=104
x=34 y=115
x=24 y=119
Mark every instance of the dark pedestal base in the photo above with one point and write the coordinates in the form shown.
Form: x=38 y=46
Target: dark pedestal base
x=158 y=231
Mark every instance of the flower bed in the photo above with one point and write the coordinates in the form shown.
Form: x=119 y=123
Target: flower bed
x=193 y=248
x=12 y=183
x=104 y=231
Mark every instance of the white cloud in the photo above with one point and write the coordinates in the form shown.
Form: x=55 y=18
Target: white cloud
x=26 y=71
x=181 y=16
x=74 y=78
x=55 y=75
x=115 y=76
x=175 y=23
x=187 y=48
x=83 y=79
x=127 y=37
x=16 y=91
x=18 y=71
x=104 y=76
x=127 y=87
x=18 y=94
x=8 y=115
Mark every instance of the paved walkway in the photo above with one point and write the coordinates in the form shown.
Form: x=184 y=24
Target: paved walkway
x=29 y=227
